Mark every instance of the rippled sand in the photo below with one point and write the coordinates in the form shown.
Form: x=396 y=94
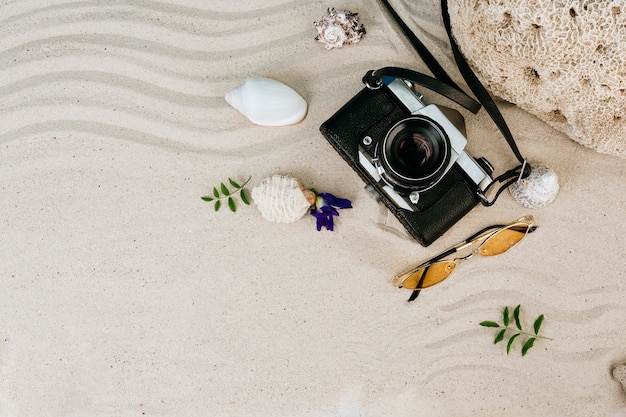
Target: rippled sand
x=124 y=294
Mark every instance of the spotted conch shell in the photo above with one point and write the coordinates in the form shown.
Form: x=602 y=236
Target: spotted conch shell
x=538 y=189
x=339 y=28
x=282 y=199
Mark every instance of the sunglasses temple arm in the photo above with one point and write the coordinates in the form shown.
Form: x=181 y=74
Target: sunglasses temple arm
x=480 y=232
x=442 y=255
x=413 y=296
x=430 y=261
x=450 y=251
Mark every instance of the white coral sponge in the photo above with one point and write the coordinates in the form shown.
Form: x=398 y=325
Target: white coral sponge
x=562 y=61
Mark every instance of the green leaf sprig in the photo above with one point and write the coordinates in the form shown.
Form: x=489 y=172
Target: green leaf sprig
x=223 y=192
x=517 y=330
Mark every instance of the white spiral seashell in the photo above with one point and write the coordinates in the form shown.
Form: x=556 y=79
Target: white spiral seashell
x=333 y=36
x=538 y=189
x=281 y=199
x=338 y=28
x=267 y=102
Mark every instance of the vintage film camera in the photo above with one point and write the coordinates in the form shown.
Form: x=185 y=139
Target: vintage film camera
x=411 y=156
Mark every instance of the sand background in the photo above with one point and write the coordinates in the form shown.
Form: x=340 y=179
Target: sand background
x=124 y=294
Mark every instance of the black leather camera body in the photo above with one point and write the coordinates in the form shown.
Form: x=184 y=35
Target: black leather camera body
x=411 y=156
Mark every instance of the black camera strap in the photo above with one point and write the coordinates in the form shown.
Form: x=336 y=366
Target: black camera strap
x=451 y=90
x=374 y=79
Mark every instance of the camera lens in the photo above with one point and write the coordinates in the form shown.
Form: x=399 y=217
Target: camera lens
x=415 y=153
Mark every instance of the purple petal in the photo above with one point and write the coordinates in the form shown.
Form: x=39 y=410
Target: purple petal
x=319 y=223
x=326 y=208
x=341 y=203
x=323 y=220
x=329 y=210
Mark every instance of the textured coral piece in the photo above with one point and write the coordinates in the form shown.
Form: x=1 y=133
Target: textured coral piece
x=564 y=61
x=282 y=199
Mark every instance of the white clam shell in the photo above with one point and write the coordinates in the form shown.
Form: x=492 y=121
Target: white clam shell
x=267 y=102
x=538 y=189
x=281 y=199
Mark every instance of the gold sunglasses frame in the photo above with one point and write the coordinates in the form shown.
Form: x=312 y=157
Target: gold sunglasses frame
x=479 y=239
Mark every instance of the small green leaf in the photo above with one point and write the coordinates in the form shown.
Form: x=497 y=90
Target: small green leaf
x=223 y=192
x=499 y=336
x=244 y=197
x=516 y=316
x=233 y=183
x=511 y=340
x=528 y=338
x=537 y=324
x=529 y=343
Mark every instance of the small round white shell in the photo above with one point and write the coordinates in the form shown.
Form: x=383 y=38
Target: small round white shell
x=538 y=189
x=281 y=199
x=267 y=102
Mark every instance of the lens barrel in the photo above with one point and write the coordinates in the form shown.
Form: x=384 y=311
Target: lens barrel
x=415 y=153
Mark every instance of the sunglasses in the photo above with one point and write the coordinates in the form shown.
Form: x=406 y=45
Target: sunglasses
x=490 y=241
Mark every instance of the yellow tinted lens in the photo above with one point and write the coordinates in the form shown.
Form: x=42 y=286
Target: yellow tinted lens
x=428 y=276
x=504 y=240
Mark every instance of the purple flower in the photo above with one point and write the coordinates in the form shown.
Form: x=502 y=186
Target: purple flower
x=325 y=208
